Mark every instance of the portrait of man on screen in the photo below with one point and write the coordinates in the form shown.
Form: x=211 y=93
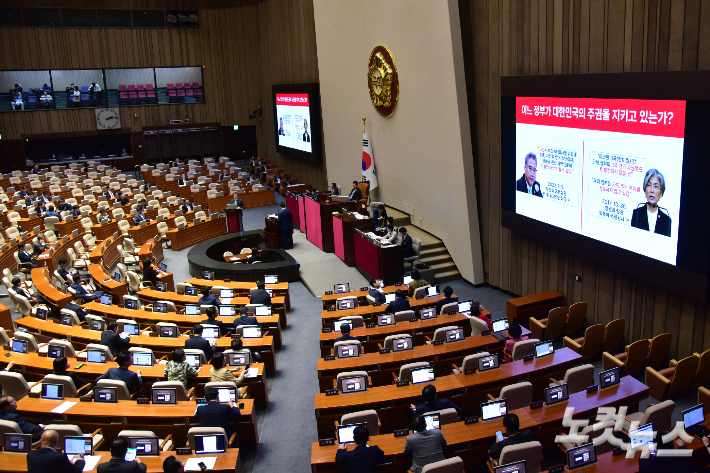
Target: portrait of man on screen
x=527 y=182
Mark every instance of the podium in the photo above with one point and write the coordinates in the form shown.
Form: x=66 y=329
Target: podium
x=378 y=262
x=234 y=219
x=319 y=219
x=344 y=226
x=271 y=233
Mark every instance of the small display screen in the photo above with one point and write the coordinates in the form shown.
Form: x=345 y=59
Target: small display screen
x=226 y=293
x=517 y=467
x=341 y=288
x=581 y=456
x=422 y=375
x=345 y=433
x=20 y=443
x=238 y=359
x=164 y=396
x=544 y=349
x=144 y=445
x=96 y=325
x=348 y=351
x=486 y=363
x=55 y=351
x=387 y=319
x=168 y=331
x=78 y=445
x=454 y=335
x=95 y=356
x=209 y=444
x=432 y=421
x=191 y=291
x=492 y=410
x=389 y=298
x=354 y=384
x=227 y=310
x=105 y=394
x=271 y=279
x=346 y=304
x=19 y=346
x=500 y=325
x=432 y=291
x=609 y=378
x=142 y=359
x=251 y=332
x=339 y=323
x=556 y=394
x=192 y=360
x=429 y=313
x=192 y=310
x=131 y=304
x=52 y=391
x=401 y=344
x=106 y=299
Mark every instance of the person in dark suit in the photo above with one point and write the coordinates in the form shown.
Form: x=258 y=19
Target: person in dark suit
x=238 y=201
x=63 y=271
x=255 y=256
x=345 y=334
x=23 y=192
x=133 y=380
x=121 y=199
x=215 y=414
x=431 y=403
x=260 y=296
x=8 y=406
x=81 y=291
x=149 y=272
x=118 y=463
x=406 y=242
x=139 y=216
x=527 y=182
x=399 y=304
x=355 y=193
x=76 y=308
x=447 y=299
x=650 y=216
x=363 y=458
x=306 y=136
x=182 y=180
x=334 y=189
x=374 y=291
x=282 y=132
x=285 y=222
x=187 y=206
x=35 y=169
x=109 y=194
x=30 y=199
x=38 y=245
x=245 y=319
x=237 y=345
x=379 y=216
x=46 y=198
x=208 y=298
x=223 y=175
x=513 y=435
x=52 y=213
x=199 y=343
x=26 y=258
x=212 y=320
x=47 y=458
x=17 y=288
x=112 y=339
x=60 y=366
x=172 y=465
x=103 y=216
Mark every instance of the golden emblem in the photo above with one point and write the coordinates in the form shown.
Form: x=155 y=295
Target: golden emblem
x=383 y=81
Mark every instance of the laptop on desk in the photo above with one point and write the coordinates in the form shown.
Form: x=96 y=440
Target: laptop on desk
x=693 y=419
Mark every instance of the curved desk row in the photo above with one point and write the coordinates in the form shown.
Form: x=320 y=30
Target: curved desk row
x=471 y=442
x=161 y=346
x=468 y=391
x=192 y=233
x=244 y=287
x=35 y=367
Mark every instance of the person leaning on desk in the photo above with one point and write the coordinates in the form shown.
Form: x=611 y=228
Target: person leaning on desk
x=431 y=403
x=363 y=458
x=212 y=320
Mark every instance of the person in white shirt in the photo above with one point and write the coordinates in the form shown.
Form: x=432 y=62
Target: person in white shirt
x=46 y=99
x=76 y=96
x=391 y=236
x=17 y=103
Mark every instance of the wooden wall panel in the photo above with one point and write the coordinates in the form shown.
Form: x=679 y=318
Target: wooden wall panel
x=244 y=46
x=502 y=37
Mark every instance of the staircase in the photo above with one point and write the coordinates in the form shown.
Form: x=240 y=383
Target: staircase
x=433 y=251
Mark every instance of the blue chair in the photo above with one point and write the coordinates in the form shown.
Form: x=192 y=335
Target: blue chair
x=32 y=100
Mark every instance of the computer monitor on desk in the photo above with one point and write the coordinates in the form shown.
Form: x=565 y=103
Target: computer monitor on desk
x=353 y=384
x=192 y=309
x=345 y=433
x=226 y=293
x=493 y=410
x=338 y=324
x=581 y=456
x=389 y=298
x=348 y=351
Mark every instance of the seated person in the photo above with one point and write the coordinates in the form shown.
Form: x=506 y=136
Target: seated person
x=118 y=463
x=47 y=458
x=245 y=319
x=254 y=258
x=113 y=340
x=515 y=332
x=178 y=369
x=121 y=199
x=431 y=403
x=26 y=259
x=150 y=273
x=51 y=212
x=187 y=206
x=363 y=458
x=379 y=215
x=376 y=291
x=133 y=381
x=334 y=189
x=199 y=343
x=512 y=434
x=172 y=465
x=38 y=245
x=447 y=299
x=208 y=298
x=399 y=304
x=8 y=406
x=212 y=320
x=139 y=216
x=182 y=181
x=17 y=288
x=218 y=372
x=61 y=365
x=260 y=296
x=416 y=283
x=390 y=236
x=355 y=193
x=64 y=272
x=76 y=308
x=237 y=345
x=80 y=290
x=345 y=334
x=477 y=311
x=103 y=216
x=425 y=446
x=215 y=414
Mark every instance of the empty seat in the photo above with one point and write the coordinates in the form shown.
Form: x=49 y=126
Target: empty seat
x=631 y=361
x=658 y=414
x=449 y=465
x=613 y=334
x=590 y=345
x=531 y=452
x=517 y=395
x=674 y=379
x=551 y=327
x=577 y=379
x=658 y=350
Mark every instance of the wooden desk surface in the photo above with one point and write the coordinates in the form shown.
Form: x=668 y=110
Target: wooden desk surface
x=239 y=257
x=156 y=343
x=229 y=462
x=361 y=294
x=182 y=299
x=192 y=234
x=483 y=433
x=533 y=298
x=443 y=384
x=49 y=292
x=419 y=353
x=372 y=311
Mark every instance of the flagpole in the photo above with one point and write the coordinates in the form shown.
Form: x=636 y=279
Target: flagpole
x=363 y=124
